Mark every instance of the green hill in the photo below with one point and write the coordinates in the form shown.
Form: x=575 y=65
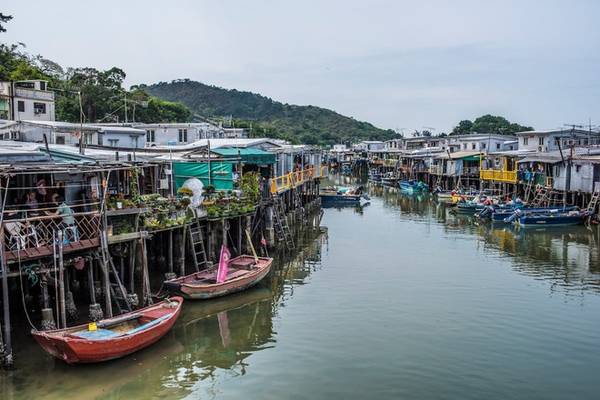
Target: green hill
x=266 y=117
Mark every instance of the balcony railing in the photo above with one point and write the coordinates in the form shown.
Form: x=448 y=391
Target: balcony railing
x=293 y=179
x=498 y=175
x=32 y=237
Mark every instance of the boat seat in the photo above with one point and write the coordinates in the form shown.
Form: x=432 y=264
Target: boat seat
x=237 y=274
x=99 y=334
x=149 y=324
x=244 y=263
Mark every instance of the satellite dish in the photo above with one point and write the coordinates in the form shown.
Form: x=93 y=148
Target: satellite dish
x=196 y=186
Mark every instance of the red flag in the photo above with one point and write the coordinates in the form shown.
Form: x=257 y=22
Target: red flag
x=223 y=264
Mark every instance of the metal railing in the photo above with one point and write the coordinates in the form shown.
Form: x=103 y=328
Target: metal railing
x=33 y=236
x=293 y=179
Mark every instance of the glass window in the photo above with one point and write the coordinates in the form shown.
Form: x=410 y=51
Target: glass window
x=150 y=136
x=39 y=108
x=20 y=106
x=182 y=135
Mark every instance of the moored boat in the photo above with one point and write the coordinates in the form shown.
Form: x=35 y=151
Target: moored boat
x=243 y=272
x=113 y=337
x=342 y=196
x=574 y=217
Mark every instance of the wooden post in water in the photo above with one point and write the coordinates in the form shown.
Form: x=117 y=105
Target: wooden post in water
x=146 y=290
x=61 y=281
x=170 y=250
x=239 y=231
x=5 y=341
x=182 y=250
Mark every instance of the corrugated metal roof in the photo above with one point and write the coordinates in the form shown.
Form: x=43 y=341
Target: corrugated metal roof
x=457 y=155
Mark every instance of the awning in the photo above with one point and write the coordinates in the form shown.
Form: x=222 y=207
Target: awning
x=248 y=155
x=220 y=173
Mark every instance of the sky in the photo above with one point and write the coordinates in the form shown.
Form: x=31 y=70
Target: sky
x=398 y=64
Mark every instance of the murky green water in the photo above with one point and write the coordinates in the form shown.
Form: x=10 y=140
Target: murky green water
x=401 y=300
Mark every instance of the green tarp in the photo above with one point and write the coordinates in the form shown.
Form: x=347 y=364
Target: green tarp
x=247 y=155
x=220 y=177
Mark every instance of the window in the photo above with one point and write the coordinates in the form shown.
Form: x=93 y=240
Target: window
x=483 y=145
x=473 y=146
x=42 y=85
x=577 y=168
x=525 y=141
x=113 y=142
x=541 y=141
x=150 y=136
x=20 y=106
x=39 y=108
x=60 y=140
x=182 y=135
x=464 y=146
x=497 y=146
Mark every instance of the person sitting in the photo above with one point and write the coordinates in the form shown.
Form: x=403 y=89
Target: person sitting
x=31 y=204
x=63 y=210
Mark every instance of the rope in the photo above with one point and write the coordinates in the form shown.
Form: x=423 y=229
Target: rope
x=23 y=293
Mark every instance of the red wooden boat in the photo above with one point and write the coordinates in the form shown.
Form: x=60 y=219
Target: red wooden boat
x=243 y=272
x=113 y=337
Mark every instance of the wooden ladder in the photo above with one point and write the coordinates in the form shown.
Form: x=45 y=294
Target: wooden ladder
x=197 y=243
x=282 y=230
x=593 y=204
x=117 y=289
x=540 y=196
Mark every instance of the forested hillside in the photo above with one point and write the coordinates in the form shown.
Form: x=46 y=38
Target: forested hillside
x=266 y=117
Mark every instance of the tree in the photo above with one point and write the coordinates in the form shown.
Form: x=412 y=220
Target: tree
x=4 y=19
x=489 y=124
x=463 y=128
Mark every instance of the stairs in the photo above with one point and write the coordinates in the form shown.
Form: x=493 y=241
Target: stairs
x=198 y=248
x=282 y=230
x=541 y=196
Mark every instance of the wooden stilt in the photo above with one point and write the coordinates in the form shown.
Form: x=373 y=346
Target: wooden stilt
x=107 y=298
x=182 y=250
x=170 y=250
x=61 y=281
x=5 y=341
x=146 y=290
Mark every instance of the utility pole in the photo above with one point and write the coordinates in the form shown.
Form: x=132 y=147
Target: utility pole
x=81 y=144
x=125 y=100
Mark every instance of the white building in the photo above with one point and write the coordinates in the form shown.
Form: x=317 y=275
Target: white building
x=26 y=100
x=163 y=134
x=481 y=142
x=370 y=145
x=549 y=140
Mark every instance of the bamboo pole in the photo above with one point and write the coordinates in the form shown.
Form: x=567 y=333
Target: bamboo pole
x=182 y=250
x=7 y=341
x=61 y=281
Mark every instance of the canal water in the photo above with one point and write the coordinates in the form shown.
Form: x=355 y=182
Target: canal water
x=399 y=299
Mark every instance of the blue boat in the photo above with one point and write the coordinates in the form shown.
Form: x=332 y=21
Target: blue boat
x=412 y=186
x=508 y=214
x=342 y=196
x=560 y=218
